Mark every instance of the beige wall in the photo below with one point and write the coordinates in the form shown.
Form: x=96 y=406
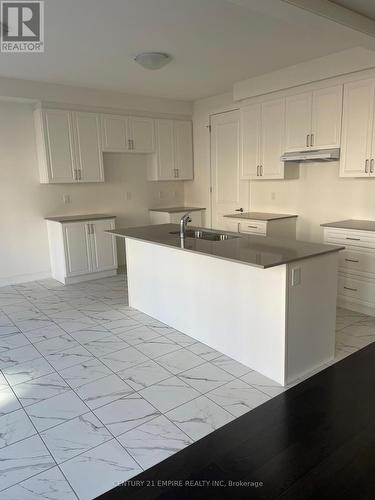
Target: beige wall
x=24 y=202
x=318 y=195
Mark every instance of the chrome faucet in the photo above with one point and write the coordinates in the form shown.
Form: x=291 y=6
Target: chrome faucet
x=185 y=219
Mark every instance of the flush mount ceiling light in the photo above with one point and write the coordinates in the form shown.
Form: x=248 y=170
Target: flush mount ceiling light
x=152 y=60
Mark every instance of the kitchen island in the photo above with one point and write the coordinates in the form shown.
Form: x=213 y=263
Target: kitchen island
x=268 y=303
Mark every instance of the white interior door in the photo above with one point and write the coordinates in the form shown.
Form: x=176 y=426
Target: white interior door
x=77 y=248
x=60 y=145
x=228 y=191
x=104 y=253
x=298 y=121
x=142 y=133
x=90 y=159
x=272 y=139
x=326 y=117
x=357 y=126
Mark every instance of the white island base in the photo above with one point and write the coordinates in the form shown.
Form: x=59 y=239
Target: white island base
x=278 y=321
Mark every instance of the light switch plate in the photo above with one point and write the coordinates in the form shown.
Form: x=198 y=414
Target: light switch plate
x=66 y=199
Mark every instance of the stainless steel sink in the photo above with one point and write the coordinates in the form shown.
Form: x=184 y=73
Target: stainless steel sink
x=206 y=235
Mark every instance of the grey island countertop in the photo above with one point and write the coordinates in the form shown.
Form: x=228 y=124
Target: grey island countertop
x=360 y=225
x=257 y=251
x=79 y=217
x=261 y=216
x=175 y=210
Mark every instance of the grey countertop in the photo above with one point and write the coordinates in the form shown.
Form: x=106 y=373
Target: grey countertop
x=263 y=216
x=79 y=217
x=174 y=210
x=258 y=251
x=360 y=225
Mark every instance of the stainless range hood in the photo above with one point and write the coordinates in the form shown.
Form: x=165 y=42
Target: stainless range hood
x=316 y=155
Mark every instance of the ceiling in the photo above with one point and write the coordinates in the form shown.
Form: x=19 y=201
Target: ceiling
x=364 y=7
x=214 y=43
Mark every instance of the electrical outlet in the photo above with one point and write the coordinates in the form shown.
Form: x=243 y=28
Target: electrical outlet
x=161 y=195
x=296 y=276
x=66 y=199
x=174 y=194
x=128 y=195
x=273 y=196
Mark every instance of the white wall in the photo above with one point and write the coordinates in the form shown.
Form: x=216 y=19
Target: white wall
x=318 y=196
x=24 y=202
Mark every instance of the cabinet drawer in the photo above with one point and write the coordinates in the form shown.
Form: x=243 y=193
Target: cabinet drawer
x=356 y=289
x=353 y=261
x=351 y=238
x=253 y=227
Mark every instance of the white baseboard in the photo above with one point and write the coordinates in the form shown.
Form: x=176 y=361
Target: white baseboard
x=24 y=278
x=87 y=277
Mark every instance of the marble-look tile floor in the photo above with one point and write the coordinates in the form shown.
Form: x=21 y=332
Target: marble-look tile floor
x=92 y=392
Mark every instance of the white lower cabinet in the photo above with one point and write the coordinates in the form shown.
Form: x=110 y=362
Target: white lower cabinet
x=356 y=281
x=82 y=250
x=277 y=228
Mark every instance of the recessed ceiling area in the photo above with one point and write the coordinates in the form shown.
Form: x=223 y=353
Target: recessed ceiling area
x=213 y=43
x=364 y=7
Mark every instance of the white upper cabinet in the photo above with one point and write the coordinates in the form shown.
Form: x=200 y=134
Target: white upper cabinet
x=89 y=153
x=128 y=134
x=326 y=118
x=174 y=151
x=298 y=121
x=250 y=141
x=262 y=140
x=68 y=145
x=313 y=119
x=141 y=134
x=272 y=139
x=55 y=146
x=358 y=141
x=115 y=133
x=183 y=140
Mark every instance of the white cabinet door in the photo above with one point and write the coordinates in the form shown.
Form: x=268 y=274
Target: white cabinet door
x=77 y=248
x=165 y=156
x=357 y=128
x=90 y=160
x=183 y=144
x=59 y=145
x=229 y=192
x=298 y=122
x=272 y=140
x=141 y=134
x=326 y=118
x=104 y=254
x=250 y=141
x=114 y=133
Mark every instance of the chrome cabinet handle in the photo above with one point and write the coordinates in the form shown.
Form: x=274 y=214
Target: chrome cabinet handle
x=372 y=166
x=75 y=174
x=92 y=229
x=257 y=170
x=312 y=140
x=79 y=174
x=253 y=227
x=351 y=260
x=307 y=140
x=366 y=166
x=351 y=289
x=353 y=239
x=177 y=173
x=129 y=144
x=132 y=143
x=261 y=170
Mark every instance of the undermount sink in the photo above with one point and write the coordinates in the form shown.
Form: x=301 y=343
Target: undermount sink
x=206 y=235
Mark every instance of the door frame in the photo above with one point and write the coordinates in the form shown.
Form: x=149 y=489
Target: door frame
x=209 y=126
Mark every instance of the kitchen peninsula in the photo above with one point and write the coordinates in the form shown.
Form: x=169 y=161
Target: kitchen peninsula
x=268 y=303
